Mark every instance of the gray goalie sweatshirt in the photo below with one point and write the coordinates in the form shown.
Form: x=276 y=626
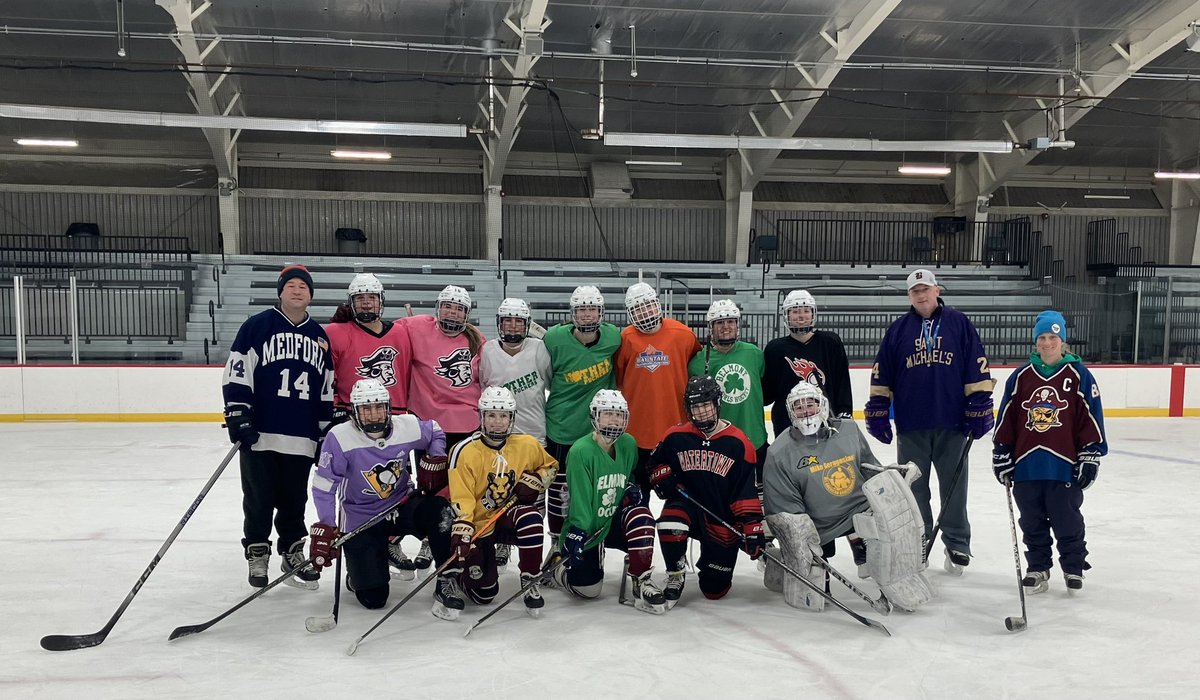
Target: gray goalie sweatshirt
x=820 y=475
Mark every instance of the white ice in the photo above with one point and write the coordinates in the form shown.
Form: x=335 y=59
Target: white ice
x=84 y=507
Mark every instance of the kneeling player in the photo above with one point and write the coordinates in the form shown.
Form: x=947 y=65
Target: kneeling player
x=363 y=471
x=486 y=471
x=713 y=462
x=604 y=508
x=815 y=491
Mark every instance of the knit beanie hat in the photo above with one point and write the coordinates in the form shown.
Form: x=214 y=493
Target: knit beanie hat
x=1050 y=322
x=294 y=272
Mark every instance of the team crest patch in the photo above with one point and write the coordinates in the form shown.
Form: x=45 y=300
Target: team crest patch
x=651 y=359
x=378 y=365
x=839 y=481
x=382 y=478
x=807 y=461
x=455 y=367
x=735 y=383
x=807 y=371
x=1041 y=409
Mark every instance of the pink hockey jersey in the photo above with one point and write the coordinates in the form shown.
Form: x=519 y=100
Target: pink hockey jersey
x=360 y=354
x=444 y=384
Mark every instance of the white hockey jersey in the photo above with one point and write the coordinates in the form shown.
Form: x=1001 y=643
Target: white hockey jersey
x=526 y=374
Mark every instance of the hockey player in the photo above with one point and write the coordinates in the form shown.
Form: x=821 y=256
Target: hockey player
x=444 y=383
x=805 y=354
x=605 y=509
x=363 y=471
x=816 y=489
x=581 y=353
x=931 y=363
x=738 y=368
x=652 y=370
x=364 y=345
x=486 y=470
x=713 y=462
x=520 y=364
x=278 y=391
x=1048 y=444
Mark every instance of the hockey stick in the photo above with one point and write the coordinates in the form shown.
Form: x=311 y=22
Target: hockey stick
x=883 y=606
x=324 y=623
x=64 y=642
x=553 y=563
x=187 y=630
x=1015 y=624
x=937 y=525
x=485 y=530
x=874 y=624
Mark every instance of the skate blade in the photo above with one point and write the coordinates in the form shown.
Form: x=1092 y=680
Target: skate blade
x=442 y=612
x=404 y=574
x=952 y=568
x=671 y=604
x=303 y=585
x=648 y=608
x=535 y=613
x=322 y=623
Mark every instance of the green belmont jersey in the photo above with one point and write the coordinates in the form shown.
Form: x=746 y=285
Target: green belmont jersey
x=579 y=372
x=596 y=484
x=739 y=372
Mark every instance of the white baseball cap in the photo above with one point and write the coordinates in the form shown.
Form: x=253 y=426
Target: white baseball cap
x=921 y=276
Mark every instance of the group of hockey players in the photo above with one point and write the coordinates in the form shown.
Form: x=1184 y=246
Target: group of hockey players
x=421 y=427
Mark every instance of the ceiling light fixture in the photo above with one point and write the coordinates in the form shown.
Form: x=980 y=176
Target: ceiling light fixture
x=1106 y=196
x=360 y=155
x=1167 y=175
x=924 y=170
x=799 y=143
x=201 y=121
x=653 y=162
x=48 y=143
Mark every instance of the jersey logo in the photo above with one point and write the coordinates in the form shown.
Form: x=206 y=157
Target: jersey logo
x=382 y=478
x=807 y=461
x=705 y=460
x=807 y=371
x=651 y=359
x=838 y=481
x=735 y=383
x=456 y=367
x=1041 y=409
x=498 y=488
x=378 y=365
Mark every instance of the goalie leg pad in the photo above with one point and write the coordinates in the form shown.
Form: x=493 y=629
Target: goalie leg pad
x=798 y=539
x=892 y=531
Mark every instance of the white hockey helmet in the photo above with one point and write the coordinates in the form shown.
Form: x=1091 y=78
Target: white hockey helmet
x=799 y=401
x=587 y=297
x=365 y=283
x=720 y=310
x=645 y=313
x=493 y=399
x=512 y=308
x=453 y=295
x=609 y=401
x=369 y=392
x=798 y=299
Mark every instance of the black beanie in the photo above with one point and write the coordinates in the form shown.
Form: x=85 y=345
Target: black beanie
x=293 y=272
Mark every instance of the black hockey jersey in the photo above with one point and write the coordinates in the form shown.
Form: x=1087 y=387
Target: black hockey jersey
x=716 y=471
x=821 y=362
x=284 y=374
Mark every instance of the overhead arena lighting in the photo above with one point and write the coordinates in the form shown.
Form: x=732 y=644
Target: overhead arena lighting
x=1106 y=196
x=1165 y=175
x=48 y=143
x=200 y=121
x=653 y=162
x=360 y=155
x=924 y=170
x=800 y=143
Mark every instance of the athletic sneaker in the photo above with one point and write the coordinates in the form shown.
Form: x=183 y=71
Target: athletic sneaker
x=1036 y=582
x=258 y=556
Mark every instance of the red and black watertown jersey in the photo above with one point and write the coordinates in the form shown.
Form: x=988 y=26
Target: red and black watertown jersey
x=717 y=471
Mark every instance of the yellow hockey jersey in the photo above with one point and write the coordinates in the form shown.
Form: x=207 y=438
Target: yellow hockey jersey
x=482 y=479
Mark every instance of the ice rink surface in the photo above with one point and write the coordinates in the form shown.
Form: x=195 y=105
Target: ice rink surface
x=84 y=507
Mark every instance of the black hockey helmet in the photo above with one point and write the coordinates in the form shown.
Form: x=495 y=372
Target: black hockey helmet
x=699 y=391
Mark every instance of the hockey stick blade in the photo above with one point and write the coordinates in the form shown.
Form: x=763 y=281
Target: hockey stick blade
x=352 y=648
x=69 y=642
x=1016 y=624
x=320 y=623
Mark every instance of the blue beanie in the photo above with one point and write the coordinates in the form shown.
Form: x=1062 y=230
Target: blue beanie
x=1050 y=322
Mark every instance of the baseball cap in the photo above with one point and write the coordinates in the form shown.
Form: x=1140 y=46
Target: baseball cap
x=921 y=276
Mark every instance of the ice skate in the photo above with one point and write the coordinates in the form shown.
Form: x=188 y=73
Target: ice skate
x=1074 y=584
x=646 y=595
x=533 y=597
x=1036 y=582
x=424 y=557
x=674 y=588
x=956 y=561
x=402 y=567
x=258 y=556
x=306 y=578
x=447 y=597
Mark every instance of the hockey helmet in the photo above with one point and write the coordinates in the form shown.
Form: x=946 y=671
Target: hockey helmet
x=700 y=392
x=365 y=283
x=720 y=310
x=456 y=296
x=370 y=392
x=807 y=408
x=798 y=299
x=609 y=401
x=645 y=312
x=497 y=399
x=512 y=308
x=587 y=297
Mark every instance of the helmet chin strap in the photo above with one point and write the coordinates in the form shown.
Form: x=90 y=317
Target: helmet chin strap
x=366 y=316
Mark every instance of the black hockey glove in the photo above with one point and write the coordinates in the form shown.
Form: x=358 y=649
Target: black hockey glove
x=664 y=480
x=632 y=496
x=1086 y=469
x=572 y=546
x=240 y=424
x=1002 y=464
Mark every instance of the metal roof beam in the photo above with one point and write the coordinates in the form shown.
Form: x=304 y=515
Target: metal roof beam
x=527 y=19
x=786 y=119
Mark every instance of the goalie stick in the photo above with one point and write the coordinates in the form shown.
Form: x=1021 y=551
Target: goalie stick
x=65 y=642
